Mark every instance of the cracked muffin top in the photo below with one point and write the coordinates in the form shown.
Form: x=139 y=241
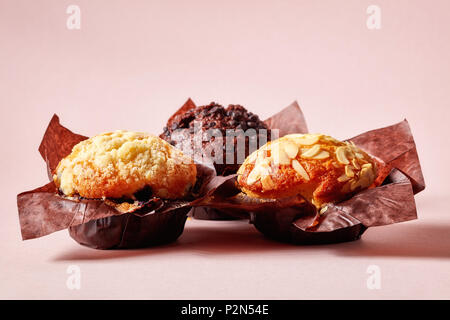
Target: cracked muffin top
x=216 y=117
x=121 y=163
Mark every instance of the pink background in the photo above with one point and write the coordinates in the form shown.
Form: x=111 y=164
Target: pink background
x=134 y=62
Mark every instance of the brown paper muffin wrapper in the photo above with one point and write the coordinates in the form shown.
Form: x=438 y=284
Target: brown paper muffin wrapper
x=288 y=120
x=106 y=224
x=131 y=231
x=390 y=200
x=101 y=224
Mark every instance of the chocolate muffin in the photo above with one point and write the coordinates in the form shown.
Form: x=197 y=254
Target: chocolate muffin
x=212 y=128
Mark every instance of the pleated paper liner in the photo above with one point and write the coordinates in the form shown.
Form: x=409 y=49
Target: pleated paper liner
x=109 y=224
x=97 y=223
x=389 y=200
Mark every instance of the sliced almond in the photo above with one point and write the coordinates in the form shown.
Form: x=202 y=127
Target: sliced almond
x=311 y=152
x=365 y=181
x=328 y=139
x=367 y=165
x=343 y=178
x=261 y=162
x=341 y=156
x=253 y=176
x=349 y=172
x=350 y=154
x=252 y=157
x=300 y=170
x=279 y=155
x=321 y=155
x=359 y=155
x=356 y=164
x=260 y=157
x=304 y=139
x=367 y=176
x=265 y=169
x=267 y=182
x=323 y=210
x=291 y=149
x=264 y=162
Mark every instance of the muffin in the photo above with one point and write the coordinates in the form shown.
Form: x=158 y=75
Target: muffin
x=318 y=167
x=212 y=122
x=123 y=164
x=136 y=180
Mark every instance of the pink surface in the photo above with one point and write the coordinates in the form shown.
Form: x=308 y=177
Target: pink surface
x=133 y=63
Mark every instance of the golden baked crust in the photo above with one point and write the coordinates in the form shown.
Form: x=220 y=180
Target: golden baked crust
x=318 y=167
x=120 y=163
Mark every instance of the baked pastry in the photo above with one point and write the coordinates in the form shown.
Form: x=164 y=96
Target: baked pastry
x=210 y=119
x=318 y=167
x=122 y=164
